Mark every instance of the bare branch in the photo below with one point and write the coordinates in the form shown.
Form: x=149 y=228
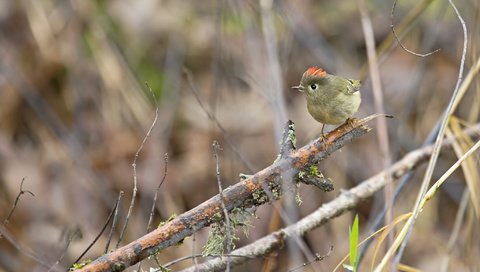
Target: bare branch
x=152 y=211
x=134 y=165
x=377 y=89
x=114 y=222
x=64 y=251
x=318 y=258
x=21 y=248
x=346 y=201
x=228 y=241
x=9 y=237
x=244 y=194
x=174 y=262
x=193 y=89
x=398 y=39
x=99 y=234
x=6 y=221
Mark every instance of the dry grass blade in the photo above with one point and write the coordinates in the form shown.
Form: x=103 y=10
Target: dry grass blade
x=456 y=229
x=456 y=97
x=378 y=95
x=469 y=167
x=430 y=193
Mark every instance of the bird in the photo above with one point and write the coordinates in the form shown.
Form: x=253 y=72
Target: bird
x=331 y=99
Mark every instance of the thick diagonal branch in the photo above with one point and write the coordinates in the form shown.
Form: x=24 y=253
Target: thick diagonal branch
x=247 y=193
x=328 y=211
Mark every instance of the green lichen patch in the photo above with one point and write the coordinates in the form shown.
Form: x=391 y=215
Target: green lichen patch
x=162 y=223
x=82 y=264
x=217 y=238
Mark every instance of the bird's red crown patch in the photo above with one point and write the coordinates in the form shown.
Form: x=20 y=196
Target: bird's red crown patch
x=316 y=71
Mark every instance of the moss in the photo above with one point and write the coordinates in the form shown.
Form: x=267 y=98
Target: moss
x=216 y=217
x=76 y=266
x=314 y=171
x=217 y=238
x=162 y=223
x=275 y=192
x=260 y=197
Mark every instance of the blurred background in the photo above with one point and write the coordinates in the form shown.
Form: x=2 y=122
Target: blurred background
x=74 y=109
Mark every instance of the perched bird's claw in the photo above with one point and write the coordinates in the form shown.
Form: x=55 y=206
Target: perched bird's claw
x=323 y=137
x=351 y=122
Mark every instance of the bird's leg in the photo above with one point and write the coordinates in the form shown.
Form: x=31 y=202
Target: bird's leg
x=321 y=133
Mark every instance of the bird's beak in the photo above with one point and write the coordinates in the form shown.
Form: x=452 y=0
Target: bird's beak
x=299 y=88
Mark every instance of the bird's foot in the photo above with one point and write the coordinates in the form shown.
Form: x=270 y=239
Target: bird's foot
x=323 y=137
x=351 y=122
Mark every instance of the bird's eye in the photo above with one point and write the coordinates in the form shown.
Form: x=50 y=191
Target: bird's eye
x=313 y=87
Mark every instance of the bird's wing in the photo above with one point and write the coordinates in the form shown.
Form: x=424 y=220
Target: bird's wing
x=349 y=90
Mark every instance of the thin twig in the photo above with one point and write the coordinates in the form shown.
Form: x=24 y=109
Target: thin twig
x=382 y=135
x=174 y=262
x=98 y=235
x=273 y=76
x=5 y=222
x=114 y=221
x=21 y=248
x=216 y=147
x=318 y=258
x=64 y=251
x=398 y=39
x=152 y=211
x=134 y=165
x=436 y=149
x=195 y=92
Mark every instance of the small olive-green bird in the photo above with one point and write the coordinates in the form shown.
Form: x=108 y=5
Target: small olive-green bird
x=331 y=99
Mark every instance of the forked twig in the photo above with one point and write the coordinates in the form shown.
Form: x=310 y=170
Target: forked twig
x=392 y=26
x=134 y=165
x=5 y=222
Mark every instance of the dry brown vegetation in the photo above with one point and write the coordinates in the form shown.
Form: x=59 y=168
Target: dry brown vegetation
x=74 y=110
